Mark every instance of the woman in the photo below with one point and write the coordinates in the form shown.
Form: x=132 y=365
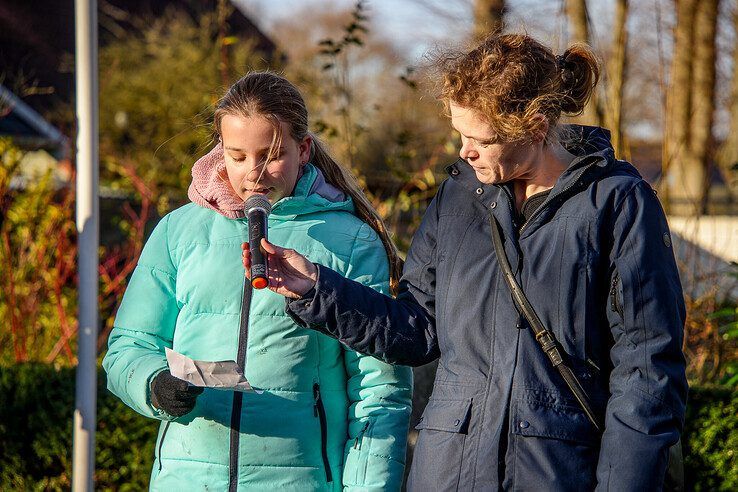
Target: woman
x=588 y=243
x=328 y=418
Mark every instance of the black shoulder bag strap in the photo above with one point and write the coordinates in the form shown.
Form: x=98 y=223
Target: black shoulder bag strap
x=545 y=338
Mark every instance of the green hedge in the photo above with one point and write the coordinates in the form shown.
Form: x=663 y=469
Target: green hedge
x=36 y=412
x=710 y=439
x=37 y=402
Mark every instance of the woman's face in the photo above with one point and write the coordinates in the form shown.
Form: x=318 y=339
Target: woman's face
x=246 y=144
x=492 y=161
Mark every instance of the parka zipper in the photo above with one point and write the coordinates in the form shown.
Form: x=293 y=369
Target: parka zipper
x=511 y=201
x=614 y=304
x=360 y=438
x=319 y=411
x=161 y=441
x=243 y=337
x=550 y=198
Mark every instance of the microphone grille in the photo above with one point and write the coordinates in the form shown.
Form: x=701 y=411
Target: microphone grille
x=257 y=201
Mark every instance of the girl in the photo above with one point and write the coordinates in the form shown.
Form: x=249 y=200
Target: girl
x=328 y=418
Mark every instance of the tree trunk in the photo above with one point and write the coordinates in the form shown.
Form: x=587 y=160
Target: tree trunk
x=223 y=65
x=488 y=17
x=693 y=142
x=728 y=157
x=576 y=10
x=618 y=67
x=702 y=143
x=678 y=106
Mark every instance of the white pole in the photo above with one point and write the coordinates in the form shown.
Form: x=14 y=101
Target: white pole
x=85 y=414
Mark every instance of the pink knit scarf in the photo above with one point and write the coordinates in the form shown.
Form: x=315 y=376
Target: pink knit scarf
x=210 y=187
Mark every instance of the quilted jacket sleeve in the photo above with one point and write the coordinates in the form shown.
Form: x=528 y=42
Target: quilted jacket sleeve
x=648 y=387
x=144 y=326
x=380 y=395
x=398 y=331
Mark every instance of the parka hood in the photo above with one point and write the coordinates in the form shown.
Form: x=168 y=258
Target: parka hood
x=582 y=140
x=591 y=145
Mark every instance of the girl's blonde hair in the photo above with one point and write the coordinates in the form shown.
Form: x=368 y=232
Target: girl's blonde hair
x=509 y=78
x=273 y=97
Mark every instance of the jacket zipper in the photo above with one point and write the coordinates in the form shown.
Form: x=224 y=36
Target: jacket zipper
x=519 y=263
x=360 y=437
x=549 y=199
x=161 y=441
x=319 y=411
x=511 y=200
x=243 y=337
x=614 y=304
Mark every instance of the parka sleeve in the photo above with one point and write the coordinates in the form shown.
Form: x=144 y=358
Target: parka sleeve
x=398 y=331
x=380 y=396
x=648 y=387
x=144 y=326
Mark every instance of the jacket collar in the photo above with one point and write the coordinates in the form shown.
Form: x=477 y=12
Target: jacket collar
x=595 y=158
x=312 y=193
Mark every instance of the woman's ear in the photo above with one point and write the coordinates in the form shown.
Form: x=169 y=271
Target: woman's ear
x=304 y=149
x=541 y=126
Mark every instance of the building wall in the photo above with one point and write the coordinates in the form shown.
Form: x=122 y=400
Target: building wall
x=706 y=249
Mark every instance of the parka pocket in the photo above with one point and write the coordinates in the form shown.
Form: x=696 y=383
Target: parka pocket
x=319 y=411
x=446 y=415
x=572 y=267
x=362 y=449
x=160 y=444
x=359 y=440
x=616 y=295
x=554 y=421
x=556 y=442
x=439 y=451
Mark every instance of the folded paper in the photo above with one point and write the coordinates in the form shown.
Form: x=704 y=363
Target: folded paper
x=223 y=375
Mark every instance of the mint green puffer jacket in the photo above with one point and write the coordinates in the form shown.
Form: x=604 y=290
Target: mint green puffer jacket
x=329 y=418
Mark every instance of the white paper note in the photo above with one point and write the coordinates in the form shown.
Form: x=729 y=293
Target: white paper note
x=223 y=375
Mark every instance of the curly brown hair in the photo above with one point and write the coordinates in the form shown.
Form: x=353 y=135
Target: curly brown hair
x=510 y=78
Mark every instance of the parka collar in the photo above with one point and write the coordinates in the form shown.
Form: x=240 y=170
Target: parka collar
x=586 y=142
x=312 y=193
x=595 y=158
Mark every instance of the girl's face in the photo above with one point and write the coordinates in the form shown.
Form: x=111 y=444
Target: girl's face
x=492 y=161
x=246 y=144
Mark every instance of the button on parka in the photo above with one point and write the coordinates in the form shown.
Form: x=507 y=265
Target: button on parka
x=596 y=263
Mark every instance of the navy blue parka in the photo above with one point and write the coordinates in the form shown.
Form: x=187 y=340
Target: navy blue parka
x=596 y=263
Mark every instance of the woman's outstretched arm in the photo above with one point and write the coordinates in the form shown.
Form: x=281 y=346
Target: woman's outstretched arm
x=398 y=330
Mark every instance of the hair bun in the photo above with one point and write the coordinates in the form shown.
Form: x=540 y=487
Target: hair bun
x=579 y=72
x=566 y=71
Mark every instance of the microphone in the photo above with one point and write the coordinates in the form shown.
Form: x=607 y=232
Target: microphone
x=257 y=209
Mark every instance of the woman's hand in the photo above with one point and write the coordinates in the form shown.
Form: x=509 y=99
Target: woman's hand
x=290 y=274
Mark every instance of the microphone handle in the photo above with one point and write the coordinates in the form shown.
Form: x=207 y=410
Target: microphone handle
x=257 y=231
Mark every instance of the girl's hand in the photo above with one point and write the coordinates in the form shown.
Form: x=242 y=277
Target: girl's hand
x=290 y=274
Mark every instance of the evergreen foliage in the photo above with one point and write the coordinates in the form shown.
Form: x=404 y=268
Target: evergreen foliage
x=37 y=404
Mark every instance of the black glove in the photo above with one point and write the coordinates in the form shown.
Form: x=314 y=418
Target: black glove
x=173 y=395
